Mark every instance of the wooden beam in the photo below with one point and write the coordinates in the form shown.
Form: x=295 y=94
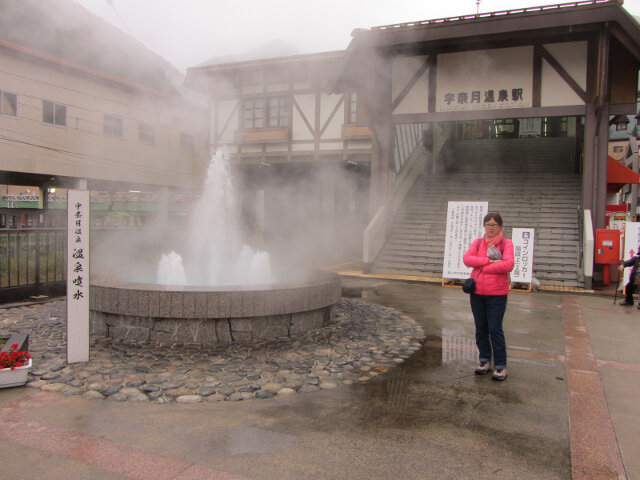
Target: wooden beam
x=218 y=135
x=304 y=117
x=412 y=82
x=536 y=99
x=623 y=37
x=563 y=73
x=333 y=114
x=433 y=81
x=535 y=112
x=602 y=128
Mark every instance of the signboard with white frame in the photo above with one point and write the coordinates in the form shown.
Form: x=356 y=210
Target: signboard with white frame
x=523 y=239
x=464 y=225
x=78 y=276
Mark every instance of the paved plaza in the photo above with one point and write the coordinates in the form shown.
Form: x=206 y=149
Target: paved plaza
x=387 y=392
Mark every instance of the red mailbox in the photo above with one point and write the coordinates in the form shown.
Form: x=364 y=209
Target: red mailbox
x=607 y=251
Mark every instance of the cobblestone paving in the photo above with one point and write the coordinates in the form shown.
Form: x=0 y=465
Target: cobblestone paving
x=364 y=341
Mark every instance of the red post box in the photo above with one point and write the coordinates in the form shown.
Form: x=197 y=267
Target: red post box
x=607 y=251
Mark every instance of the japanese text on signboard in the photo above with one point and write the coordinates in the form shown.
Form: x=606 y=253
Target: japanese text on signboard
x=78 y=277
x=78 y=223
x=464 y=224
x=523 y=239
x=483 y=99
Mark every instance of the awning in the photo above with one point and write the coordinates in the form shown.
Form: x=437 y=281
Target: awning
x=618 y=175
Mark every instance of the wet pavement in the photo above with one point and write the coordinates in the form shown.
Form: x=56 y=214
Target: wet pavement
x=568 y=409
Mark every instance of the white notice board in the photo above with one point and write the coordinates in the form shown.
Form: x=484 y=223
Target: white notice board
x=77 y=276
x=631 y=242
x=522 y=254
x=464 y=225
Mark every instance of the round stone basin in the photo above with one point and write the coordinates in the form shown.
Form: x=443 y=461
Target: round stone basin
x=215 y=315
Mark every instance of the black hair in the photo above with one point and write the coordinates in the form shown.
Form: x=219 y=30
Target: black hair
x=493 y=216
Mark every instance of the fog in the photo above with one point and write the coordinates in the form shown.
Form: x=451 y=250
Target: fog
x=303 y=216
x=190 y=32
x=308 y=220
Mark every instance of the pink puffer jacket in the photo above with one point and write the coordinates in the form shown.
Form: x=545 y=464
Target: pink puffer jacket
x=494 y=279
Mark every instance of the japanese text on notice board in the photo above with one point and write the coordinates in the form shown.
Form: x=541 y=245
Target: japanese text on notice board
x=464 y=225
x=523 y=239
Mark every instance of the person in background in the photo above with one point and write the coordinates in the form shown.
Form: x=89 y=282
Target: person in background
x=630 y=288
x=491 y=258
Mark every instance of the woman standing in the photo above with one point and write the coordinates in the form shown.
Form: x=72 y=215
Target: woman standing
x=491 y=258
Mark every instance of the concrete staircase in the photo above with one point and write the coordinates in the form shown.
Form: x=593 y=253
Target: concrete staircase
x=545 y=201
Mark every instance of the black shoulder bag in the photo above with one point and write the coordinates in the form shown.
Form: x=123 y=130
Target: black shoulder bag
x=469 y=285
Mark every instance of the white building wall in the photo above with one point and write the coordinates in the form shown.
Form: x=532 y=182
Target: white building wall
x=573 y=58
x=299 y=128
x=334 y=125
x=417 y=99
x=227 y=122
x=81 y=149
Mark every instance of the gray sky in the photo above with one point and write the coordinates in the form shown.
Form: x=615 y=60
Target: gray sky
x=189 y=32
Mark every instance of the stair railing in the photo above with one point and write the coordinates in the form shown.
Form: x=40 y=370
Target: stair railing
x=373 y=239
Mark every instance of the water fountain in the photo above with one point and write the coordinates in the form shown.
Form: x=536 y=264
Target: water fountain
x=222 y=292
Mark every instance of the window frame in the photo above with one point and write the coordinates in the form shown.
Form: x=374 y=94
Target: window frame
x=115 y=130
x=268 y=112
x=352 y=108
x=4 y=93
x=279 y=105
x=253 y=121
x=146 y=133
x=56 y=110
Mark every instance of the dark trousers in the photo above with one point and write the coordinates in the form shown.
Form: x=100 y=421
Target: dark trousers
x=629 y=290
x=488 y=312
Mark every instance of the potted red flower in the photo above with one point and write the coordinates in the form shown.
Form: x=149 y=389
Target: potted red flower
x=14 y=367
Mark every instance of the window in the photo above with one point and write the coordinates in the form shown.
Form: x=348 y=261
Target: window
x=352 y=108
x=112 y=126
x=54 y=113
x=9 y=104
x=146 y=133
x=554 y=126
x=253 y=113
x=186 y=142
x=278 y=112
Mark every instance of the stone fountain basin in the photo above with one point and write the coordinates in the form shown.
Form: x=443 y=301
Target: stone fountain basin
x=211 y=315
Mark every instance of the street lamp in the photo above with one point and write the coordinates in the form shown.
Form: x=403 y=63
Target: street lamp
x=621 y=122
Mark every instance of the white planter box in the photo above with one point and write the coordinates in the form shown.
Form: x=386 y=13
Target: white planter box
x=15 y=377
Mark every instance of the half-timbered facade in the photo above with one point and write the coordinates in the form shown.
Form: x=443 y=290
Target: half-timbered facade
x=303 y=152
x=510 y=107
x=520 y=94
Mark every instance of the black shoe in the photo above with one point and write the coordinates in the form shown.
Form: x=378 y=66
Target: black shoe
x=624 y=303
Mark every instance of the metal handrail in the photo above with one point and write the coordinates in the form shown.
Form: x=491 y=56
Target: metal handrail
x=477 y=16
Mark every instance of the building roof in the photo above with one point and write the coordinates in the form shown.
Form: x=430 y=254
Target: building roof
x=560 y=22
x=196 y=76
x=271 y=49
x=480 y=30
x=63 y=30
